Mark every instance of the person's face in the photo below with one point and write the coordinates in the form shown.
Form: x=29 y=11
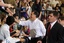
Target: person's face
x=51 y=18
x=4 y=20
x=32 y=16
x=25 y=27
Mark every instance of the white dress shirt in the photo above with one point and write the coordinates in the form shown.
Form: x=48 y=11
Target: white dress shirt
x=37 y=25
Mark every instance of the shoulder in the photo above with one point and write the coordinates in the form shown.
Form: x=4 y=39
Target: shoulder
x=39 y=21
x=28 y=21
x=5 y=27
x=58 y=26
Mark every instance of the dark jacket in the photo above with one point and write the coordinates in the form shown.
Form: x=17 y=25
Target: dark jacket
x=56 y=34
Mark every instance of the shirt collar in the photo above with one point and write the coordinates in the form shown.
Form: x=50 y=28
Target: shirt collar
x=53 y=23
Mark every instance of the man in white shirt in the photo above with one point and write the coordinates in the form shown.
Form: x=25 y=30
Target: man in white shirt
x=35 y=25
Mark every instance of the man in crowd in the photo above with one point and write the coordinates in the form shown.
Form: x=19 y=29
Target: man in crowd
x=54 y=29
x=37 y=28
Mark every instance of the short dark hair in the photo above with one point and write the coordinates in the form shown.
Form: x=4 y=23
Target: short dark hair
x=61 y=17
x=36 y=13
x=54 y=13
x=10 y=20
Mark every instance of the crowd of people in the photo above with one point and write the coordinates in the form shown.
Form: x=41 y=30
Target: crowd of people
x=31 y=21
